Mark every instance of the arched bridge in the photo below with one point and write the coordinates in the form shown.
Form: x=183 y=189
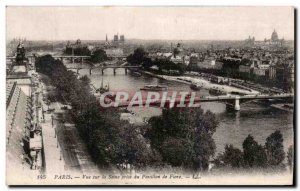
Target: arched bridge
x=32 y=58
x=91 y=67
x=233 y=100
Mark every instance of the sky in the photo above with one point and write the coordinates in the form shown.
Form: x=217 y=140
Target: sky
x=165 y=23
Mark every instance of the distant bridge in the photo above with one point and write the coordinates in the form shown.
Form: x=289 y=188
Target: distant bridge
x=232 y=100
x=32 y=57
x=102 y=68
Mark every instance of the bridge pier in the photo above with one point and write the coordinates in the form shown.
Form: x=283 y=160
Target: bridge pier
x=102 y=71
x=237 y=106
x=81 y=60
x=114 y=71
x=125 y=70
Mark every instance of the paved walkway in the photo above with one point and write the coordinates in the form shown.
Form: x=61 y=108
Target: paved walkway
x=53 y=157
x=64 y=150
x=54 y=162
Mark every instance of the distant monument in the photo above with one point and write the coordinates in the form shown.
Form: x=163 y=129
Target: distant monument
x=114 y=48
x=20 y=57
x=250 y=41
x=116 y=42
x=274 y=40
x=19 y=71
x=178 y=50
x=77 y=49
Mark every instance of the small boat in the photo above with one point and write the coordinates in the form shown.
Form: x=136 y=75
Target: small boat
x=136 y=74
x=216 y=92
x=103 y=89
x=154 y=88
x=195 y=86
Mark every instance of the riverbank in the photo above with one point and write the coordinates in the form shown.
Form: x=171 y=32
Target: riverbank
x=205 y=84
x=284 y=107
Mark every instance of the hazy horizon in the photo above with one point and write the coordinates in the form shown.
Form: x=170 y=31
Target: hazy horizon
x=149 y=23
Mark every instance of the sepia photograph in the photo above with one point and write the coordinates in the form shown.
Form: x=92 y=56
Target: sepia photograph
x=150 y=95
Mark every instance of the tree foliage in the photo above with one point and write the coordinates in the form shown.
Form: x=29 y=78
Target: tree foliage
x=110 y=141
x=254 y=154
x=274 y=148
x=78 y=51
x=183 y=136
x=138 y=57
x=98 y=55
x=232 y=157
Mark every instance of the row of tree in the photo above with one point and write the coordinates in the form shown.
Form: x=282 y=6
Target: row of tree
x=255 y=155
x=111 y=142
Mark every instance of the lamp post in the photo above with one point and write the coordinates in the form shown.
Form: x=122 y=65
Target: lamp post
x=57 y=141
x=52 y=120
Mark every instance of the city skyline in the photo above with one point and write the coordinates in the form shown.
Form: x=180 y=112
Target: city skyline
x=176 y=23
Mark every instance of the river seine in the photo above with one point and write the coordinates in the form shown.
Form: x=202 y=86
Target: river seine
x=255 y=119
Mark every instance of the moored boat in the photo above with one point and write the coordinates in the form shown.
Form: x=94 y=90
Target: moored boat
x=216 y=92
x=136 y=74
x=102 y=89
x=195 y=86
x=154 y=88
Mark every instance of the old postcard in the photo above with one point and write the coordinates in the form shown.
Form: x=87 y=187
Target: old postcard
x=150 y=95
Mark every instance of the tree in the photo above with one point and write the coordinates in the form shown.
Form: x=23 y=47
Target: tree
x=138 y=57
x=79 y=51
x=177 y=151
x=254 y=154
x=204 y=148
x=232 y=157
x=147 y=63
x=183 y=136
x=260 y=157
x=274 y=148
x=98 y=55
x=134 y=149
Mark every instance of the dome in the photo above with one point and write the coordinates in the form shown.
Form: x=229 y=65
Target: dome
x=274 y=36
x=78 y=41
x=179 y=48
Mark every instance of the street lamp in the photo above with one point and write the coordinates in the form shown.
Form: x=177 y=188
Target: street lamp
x=57 y=141
x=52 y=120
